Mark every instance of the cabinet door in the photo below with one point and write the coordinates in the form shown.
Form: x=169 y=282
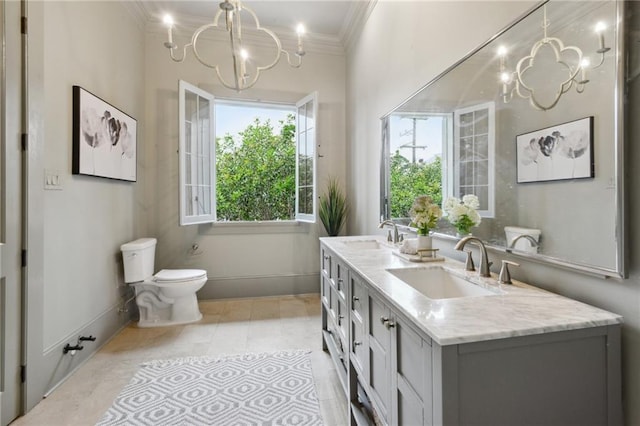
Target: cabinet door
x=358 y=297
x=379 y=360
x=325 y=261
x=340 y=278
x=325 y=291
x=411 y=376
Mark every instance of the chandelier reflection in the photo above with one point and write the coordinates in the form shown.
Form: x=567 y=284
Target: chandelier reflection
x=233 y=11
x=574 y=70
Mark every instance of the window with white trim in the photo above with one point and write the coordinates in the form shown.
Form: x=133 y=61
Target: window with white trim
x=437 y=154
x=473 y=156
x=253 y=163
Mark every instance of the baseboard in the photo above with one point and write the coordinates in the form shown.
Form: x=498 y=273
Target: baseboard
x=57 y=366
x=241 y=287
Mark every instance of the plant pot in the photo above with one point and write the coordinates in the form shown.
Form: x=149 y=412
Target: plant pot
x=424 y=242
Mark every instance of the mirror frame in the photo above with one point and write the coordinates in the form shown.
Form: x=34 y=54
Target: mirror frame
x=620 y=268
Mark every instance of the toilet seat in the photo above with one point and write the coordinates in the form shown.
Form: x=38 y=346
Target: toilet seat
x=166 y=276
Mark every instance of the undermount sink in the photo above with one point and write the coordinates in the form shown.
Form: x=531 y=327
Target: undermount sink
x=437 y=283
x=363 y=244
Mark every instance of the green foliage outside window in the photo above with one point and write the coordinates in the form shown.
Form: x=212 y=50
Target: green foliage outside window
x=255 y=174
x=410 y=180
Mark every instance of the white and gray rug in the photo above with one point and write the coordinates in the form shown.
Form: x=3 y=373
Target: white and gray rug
x=249 y=389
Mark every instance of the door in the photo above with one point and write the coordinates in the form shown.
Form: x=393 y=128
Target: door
x=11 y=181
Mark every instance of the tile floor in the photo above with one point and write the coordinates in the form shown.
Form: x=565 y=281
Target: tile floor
x=228 y=327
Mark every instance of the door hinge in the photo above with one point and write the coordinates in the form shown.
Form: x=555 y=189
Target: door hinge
x=25 y=141
x=23 y=373
x=24 y=258
x=23 y=25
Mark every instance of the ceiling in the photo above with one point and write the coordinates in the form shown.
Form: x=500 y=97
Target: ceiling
x=323 y=19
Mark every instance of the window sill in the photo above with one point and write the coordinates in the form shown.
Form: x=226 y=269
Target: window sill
x=256 y=227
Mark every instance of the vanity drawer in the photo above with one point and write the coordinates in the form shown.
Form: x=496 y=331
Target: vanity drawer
x=340 y=278
x=326 y=258
x=358 y=299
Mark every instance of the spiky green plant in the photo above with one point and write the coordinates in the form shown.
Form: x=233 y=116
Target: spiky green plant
x=333 y=208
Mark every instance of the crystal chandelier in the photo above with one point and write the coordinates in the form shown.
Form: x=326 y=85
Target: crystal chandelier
x=576 y=71
x=233 y=11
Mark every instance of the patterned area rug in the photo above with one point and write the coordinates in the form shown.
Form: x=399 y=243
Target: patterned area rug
x=249 y=389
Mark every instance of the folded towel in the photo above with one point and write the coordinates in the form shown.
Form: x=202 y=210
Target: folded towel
x=409 y=246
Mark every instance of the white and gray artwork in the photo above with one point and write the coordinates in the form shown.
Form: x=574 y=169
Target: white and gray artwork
x=104 y=138
x=560 y=152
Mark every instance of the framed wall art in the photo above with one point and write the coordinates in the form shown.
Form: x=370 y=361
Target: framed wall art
x=104 y=138
x=559 y=152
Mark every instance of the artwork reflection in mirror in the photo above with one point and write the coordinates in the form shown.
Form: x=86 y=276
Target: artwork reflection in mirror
x=459 y=136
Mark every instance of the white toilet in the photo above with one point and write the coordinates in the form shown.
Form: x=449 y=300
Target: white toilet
x=166 y=298
x=522 y=244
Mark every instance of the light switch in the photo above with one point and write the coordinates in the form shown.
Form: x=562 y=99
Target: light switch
x=52 y=180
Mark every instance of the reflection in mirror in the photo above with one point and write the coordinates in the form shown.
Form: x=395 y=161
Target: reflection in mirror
x=458 y=136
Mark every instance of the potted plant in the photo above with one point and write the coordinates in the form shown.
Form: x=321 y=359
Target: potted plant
x=333 y=208
x=463 y=214
x=424 y=216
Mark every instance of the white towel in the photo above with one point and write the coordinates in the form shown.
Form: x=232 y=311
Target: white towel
x=409 y=246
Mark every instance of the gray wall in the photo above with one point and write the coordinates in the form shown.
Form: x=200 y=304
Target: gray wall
x=431 y=44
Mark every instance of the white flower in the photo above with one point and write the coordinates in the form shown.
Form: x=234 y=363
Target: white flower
x=471 y=201
x=456 y=209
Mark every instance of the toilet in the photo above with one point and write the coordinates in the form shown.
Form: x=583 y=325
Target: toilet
x=512 y=232
x=166 y=298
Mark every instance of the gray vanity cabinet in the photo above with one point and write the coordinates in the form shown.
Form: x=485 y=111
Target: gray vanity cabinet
x=335 y=317
x=392 y=371
x=400 y=367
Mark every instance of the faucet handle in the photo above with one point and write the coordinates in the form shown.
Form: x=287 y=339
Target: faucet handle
x=469 y=266
x=505 y=276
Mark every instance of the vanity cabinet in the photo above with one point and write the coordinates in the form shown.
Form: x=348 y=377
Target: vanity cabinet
x=335 y=317
x=393 y=372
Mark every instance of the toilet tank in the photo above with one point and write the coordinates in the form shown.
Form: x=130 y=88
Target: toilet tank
x=138 y=257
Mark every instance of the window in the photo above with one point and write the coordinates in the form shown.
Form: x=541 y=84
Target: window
x=250 y=163
x=437 y=154
x=413 y=160
x=473 y=155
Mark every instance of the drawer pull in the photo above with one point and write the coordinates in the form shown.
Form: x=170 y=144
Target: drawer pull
x=384 y=320
x=327 y=257
x=390 y=324
x=356 y=299
x=356 y=343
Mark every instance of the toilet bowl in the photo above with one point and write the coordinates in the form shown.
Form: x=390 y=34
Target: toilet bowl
x=169 y=296
x=522 y=244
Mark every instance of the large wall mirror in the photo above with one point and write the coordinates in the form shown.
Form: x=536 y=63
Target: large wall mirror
x=535 y=132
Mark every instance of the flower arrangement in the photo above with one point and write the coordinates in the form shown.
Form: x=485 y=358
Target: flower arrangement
x=463 y=213
x=424 y=214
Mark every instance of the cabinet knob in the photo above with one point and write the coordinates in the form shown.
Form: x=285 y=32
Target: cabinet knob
x=326 y=257
x=384 y=320
x=356 y=299
x=356 y=343
x=390 y=324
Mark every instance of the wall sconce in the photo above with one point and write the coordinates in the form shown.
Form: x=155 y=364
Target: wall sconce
x=513 y=81
x=233 y=11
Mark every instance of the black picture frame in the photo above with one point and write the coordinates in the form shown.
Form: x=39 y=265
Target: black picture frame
x=561 y=152
x=104 y=138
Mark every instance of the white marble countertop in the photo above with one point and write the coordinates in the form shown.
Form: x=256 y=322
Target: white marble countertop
x=518 y=309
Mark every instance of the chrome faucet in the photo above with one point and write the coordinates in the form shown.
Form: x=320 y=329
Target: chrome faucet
x=484 y=260
x=532 y=241
x=396 y=238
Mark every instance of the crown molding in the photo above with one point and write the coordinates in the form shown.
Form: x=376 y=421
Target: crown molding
x=356 y=19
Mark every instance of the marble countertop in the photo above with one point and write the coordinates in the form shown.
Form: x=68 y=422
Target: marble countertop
x=514 y=310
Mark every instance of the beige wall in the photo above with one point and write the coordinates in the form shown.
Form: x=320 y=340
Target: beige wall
x=401 y=49
x=96 y=45
x=230 y=253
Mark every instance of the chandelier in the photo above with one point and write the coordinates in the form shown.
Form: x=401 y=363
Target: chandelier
x=233 y=11
x=575 y=71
